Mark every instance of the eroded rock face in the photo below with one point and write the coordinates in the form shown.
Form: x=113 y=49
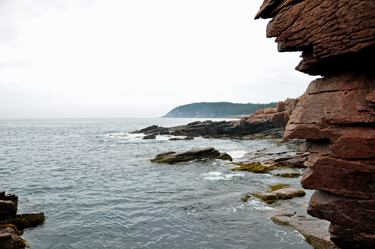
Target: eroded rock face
x=327 y=31
x=337 y=113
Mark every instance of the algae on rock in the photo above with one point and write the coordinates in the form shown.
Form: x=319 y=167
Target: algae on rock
x=253 y=167
x=281 y=191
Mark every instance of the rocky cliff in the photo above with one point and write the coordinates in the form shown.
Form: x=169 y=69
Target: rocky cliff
x=336 y=115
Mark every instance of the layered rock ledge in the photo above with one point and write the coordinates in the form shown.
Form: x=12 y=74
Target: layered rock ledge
x=336 y=115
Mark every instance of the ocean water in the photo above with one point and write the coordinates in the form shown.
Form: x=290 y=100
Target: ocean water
x=98 y=189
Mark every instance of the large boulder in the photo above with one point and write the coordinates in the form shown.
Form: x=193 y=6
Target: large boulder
x=179 y=157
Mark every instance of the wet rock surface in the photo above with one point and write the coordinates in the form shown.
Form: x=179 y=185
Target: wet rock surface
x=12 y=224
x=336 y=115
x=172 y=157
x=283 y=164
x=280 y=192
x=313 y=229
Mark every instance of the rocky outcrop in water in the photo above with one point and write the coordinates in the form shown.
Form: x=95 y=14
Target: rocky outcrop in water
x=264 y=122
x=281 y=192
x=172 y=157
x=313 y=229
x=12 y=224
x=337 y=113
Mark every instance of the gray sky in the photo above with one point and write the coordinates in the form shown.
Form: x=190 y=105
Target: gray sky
x=137 y=58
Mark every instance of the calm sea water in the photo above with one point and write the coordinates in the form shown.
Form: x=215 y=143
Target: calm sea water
x=98 y=189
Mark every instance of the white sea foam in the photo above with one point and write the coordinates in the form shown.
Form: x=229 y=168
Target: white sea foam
x=291 y=238
x=257 y=205
x=135 y=136
x=237 y=153
x=214 y=176
x=214 y=173
x=234 y=175
x=126 y=136
x=163 y=137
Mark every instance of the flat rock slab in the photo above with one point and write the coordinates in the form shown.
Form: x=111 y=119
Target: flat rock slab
x=313 y=229
x=172 y=157
x=284 y=193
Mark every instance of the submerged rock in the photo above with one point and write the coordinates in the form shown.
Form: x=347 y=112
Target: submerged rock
x=172 y=157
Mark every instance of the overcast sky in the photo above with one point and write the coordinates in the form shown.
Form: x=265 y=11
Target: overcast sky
x=137 y=58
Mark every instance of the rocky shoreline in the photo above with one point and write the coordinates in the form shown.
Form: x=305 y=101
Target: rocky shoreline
x=265 y=122
x=13 y=224
x=283 y=164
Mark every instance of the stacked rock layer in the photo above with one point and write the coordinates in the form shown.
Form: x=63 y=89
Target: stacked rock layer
x=336 y=115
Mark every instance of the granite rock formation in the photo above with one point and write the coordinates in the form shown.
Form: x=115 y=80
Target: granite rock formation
x=336 y=115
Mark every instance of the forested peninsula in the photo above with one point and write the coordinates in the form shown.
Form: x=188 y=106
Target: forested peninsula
x=216 y=110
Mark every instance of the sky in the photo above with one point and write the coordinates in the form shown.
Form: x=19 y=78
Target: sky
x=137 y=58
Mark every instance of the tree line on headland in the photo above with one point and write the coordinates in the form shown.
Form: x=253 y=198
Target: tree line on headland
x=215 y=110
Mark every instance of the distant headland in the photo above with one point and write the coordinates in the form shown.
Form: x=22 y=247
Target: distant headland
x=216 y=110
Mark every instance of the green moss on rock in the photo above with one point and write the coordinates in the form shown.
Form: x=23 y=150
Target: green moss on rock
x=253 y=167
x=19 y=243
x=280 y=191
x=25 y=221
x=269 y=198
x=281 y=143
x=278 y=186
x=246 y=198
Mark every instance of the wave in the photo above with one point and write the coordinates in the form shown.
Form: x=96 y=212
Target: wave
x=137 y=136
x=215 y=176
